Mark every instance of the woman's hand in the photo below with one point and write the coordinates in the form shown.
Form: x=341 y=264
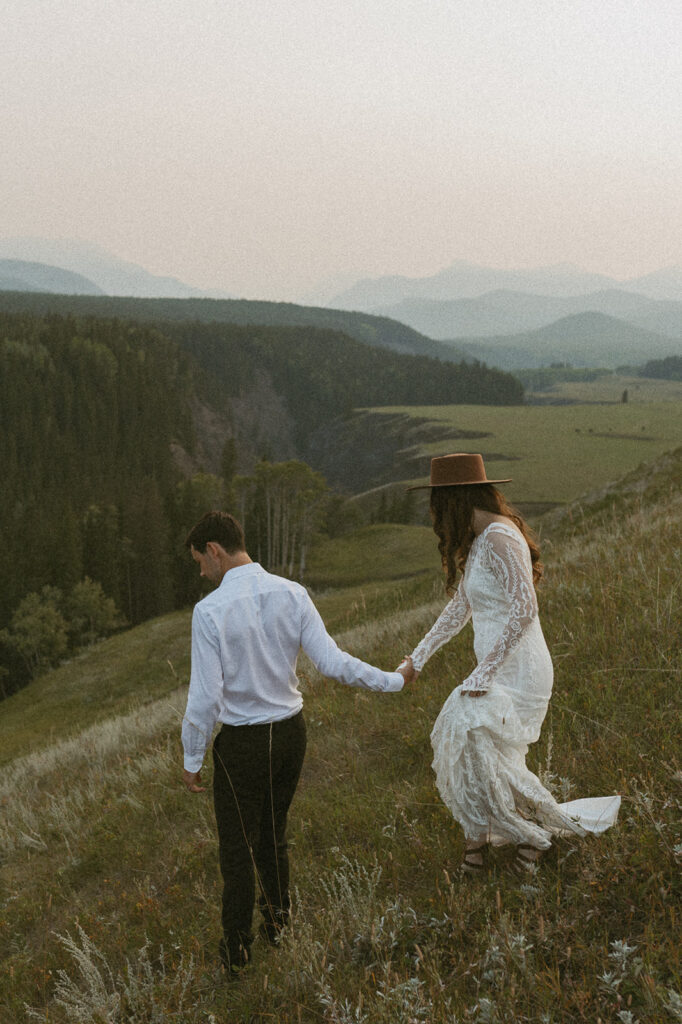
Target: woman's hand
x=407 y=669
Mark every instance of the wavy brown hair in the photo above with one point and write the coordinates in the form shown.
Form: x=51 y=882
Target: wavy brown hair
x=452 y=514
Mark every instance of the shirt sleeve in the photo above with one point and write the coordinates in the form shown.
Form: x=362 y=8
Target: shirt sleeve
x=205 y=690
x=509 y=563
x=449 y=623
x=331 y=661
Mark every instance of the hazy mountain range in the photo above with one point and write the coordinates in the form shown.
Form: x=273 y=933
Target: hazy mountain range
x=506 y=312
x=101 y=272
x=527 y=318
x=22 y=276
x=510 y=319
x=464 y=280
x=585 y=339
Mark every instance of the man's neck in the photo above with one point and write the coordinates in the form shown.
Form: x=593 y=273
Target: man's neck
x=234 y=560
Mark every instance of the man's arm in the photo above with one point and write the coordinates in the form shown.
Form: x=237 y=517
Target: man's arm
x=330 y=660
x=203 y=701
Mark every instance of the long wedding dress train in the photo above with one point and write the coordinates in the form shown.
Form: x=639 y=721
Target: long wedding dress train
x=480 y=744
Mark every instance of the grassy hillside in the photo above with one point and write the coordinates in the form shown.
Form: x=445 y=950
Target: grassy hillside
x=127 y=671
x=379 y=552
x=554 y=453
x=109 y=870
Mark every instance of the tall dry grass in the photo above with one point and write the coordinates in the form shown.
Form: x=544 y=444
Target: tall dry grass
x=110 y=888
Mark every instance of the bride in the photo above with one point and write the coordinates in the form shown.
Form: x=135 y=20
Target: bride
x=482 y=733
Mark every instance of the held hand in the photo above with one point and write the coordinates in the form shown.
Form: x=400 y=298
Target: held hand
x=192 y=781
x=407 y=670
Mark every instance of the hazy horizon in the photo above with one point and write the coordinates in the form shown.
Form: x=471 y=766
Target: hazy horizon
x=261 y=150
x=74 y=254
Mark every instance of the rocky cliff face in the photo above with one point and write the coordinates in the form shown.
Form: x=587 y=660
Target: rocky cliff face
x=366 y=450
x=370 y=449
x=257 y=419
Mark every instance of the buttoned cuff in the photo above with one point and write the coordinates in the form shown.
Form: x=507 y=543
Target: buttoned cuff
x=193 y=764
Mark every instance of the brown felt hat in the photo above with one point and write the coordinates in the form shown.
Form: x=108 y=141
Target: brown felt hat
x=457 y=470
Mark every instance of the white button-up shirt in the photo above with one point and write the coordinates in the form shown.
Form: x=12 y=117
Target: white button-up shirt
x=246 y=636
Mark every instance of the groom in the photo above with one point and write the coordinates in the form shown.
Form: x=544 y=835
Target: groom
x=246 y=636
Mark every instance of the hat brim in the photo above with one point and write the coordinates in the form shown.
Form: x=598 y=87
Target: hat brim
x=460 y=483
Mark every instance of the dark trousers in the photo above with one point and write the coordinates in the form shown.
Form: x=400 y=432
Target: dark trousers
x=256 y=770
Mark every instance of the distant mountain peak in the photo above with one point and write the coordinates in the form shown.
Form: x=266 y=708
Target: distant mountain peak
x=27 y=275
x=672 y=273
x=463 y=280
x=112 y=275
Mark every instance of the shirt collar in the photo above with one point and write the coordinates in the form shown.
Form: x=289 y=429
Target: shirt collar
x=241 y=570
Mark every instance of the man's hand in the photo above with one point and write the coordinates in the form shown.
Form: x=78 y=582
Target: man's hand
x=192 y=781
x=407 y=670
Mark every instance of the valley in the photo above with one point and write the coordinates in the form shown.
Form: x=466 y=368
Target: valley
x=554 y=453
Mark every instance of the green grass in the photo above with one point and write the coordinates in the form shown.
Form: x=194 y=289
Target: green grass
x=556 y=453
x=344 y=608
x=125 y=671
x=610 y=388
x=377 y=553
x=104 y=838
x=374 y=572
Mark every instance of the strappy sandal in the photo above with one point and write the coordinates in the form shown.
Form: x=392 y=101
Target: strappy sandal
x=527 y=857
x=475 y=866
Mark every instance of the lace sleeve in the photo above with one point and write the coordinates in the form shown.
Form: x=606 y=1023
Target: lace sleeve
x=452 y=619
x=509 y=562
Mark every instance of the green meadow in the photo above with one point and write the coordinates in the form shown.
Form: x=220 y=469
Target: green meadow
x=109 y=882
x=555 y=453
x=610 y=388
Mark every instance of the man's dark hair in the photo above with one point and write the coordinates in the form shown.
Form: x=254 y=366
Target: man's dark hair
x=219 y=527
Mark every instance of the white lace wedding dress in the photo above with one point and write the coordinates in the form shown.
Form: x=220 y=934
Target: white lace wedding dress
x=480 y=743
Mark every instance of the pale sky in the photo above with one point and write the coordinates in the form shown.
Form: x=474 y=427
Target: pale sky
x=261 y=146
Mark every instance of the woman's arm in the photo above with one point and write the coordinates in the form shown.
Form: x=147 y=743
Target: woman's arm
x=452 y=619
x=510 y=565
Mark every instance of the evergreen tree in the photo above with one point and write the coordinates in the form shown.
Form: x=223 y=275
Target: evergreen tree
x=102 y=552
x=228 y=461
x=191 y=500
x=146 y=526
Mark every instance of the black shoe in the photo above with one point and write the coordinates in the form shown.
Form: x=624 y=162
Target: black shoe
x=272 y=926
x=270 y=933
x=234 y=957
